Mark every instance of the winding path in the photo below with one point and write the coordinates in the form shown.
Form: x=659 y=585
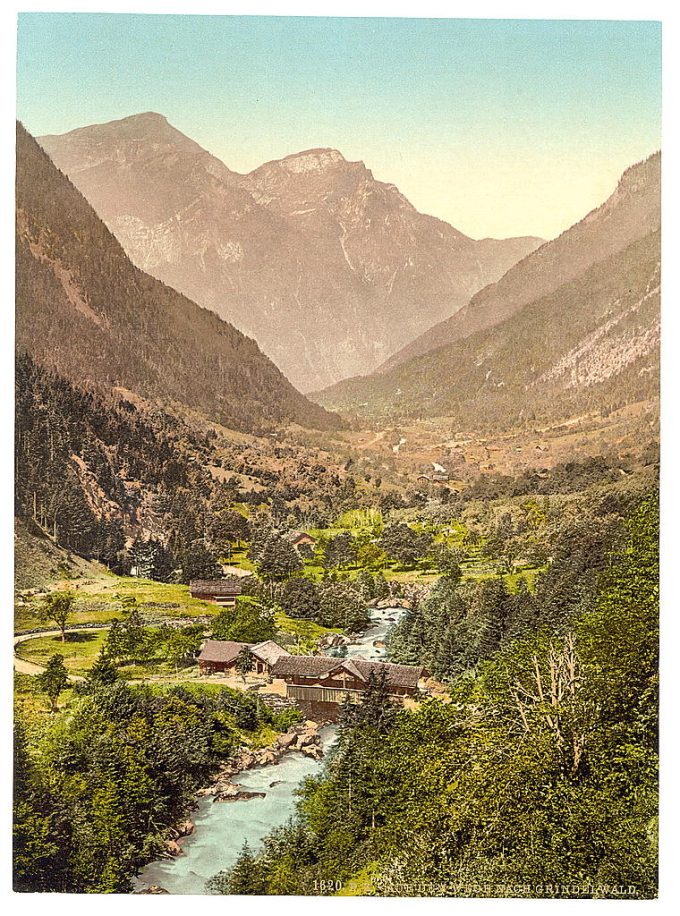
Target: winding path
x=25 y=667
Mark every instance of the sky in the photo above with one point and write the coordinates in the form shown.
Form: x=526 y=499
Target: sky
x=500 y=127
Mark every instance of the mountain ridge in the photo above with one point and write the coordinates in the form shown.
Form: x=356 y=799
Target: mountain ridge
x=572 y=327
x=549 y=263
x=591 y=345
x=327 y=268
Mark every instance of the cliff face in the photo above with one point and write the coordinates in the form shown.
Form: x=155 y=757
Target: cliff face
x=328 y=269
x=573 y=328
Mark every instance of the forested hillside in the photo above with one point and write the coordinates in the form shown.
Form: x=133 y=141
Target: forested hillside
x=85 y=311
x=592 y=345
x=97 y=473
x=538 y=779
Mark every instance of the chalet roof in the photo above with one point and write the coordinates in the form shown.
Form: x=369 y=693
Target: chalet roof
x=348 y=665
x=304 y=665
x=215 y=586
x=396 y=675
x=268 y=651
x=221 y=650
x=320 y=665
x=293 y=536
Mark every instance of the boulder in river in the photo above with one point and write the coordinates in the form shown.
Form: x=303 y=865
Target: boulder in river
x=173 y=849
x=307 y=737
x=313 y=751
x=239 y=795
x=287 y=739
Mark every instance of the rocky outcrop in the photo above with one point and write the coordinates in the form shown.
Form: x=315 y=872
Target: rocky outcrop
x=303 y=738
x=232 y=793
x=332 y=641
x=173 y=847
x=382 y=603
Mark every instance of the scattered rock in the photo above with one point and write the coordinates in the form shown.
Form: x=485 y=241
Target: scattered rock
x=226 y=790
x=240 y=795
x=154 y=889
x=313 y=751
x=332 y=641
x=393 y=602
x=173 y=849
x=277 y=782
x=306 y=738
x=286 y=740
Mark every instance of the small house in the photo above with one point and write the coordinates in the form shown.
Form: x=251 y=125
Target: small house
x=266 y=655
x=220 y=655
x=218 y=591
x=300 y=539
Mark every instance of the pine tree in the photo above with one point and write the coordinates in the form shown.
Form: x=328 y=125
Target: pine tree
x=53 y=680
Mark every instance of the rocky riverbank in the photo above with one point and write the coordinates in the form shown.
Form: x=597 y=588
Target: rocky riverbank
x=304 y=738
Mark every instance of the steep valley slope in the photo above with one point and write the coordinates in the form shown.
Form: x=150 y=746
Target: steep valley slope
x=592 y=345
x=84 y=311
x=630 y=213
x=572 y=328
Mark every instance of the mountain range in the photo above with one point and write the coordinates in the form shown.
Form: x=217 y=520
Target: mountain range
x=86 y=312
x=572 y=327
x=330 y=270
x=632 y=211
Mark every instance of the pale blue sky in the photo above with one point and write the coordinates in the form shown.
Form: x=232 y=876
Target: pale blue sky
x=501 y=127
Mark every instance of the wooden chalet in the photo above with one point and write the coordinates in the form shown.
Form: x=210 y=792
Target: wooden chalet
x=322 y=679
x=220 y=655
x=218 y=591
x=300 y=539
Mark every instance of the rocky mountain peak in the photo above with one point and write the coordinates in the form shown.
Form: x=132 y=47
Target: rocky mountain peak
x=312 y=160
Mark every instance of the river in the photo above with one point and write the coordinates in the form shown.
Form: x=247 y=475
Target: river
x=222 y=828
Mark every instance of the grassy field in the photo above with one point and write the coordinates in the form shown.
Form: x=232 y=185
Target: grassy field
x=79 y=650
x=102 y=598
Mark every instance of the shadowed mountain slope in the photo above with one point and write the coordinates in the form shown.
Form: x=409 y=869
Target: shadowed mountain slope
x=590 y=345
x=86 y=312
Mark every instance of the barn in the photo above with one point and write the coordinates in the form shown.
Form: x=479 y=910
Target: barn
x=220 y=655
x=328 y=679
x=218 y=591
